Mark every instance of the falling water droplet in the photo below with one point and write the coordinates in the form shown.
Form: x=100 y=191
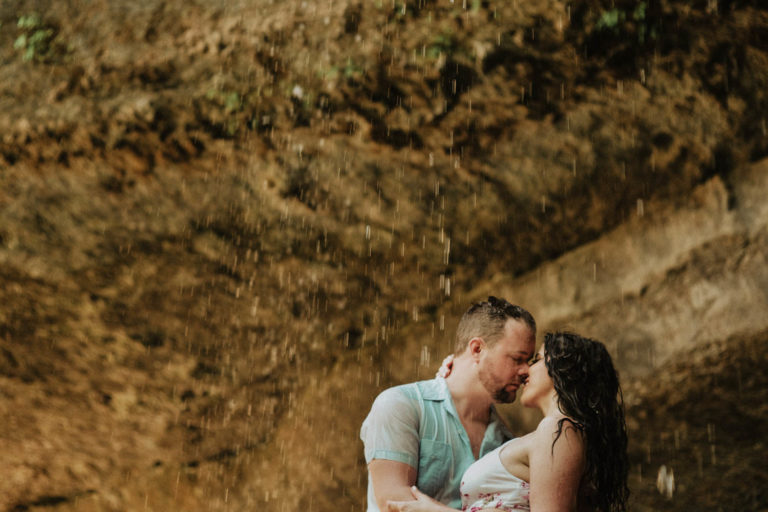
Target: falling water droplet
x=665 y=481
x=424 y=359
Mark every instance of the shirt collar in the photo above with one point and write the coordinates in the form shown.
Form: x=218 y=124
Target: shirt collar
x=435 y=389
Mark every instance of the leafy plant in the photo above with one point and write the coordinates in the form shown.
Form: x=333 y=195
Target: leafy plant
x=349 y=70
x=609 y=20
x=230 y=101
x=442 y=44
x=229 y=104
x=617 y=20
x=36 y=38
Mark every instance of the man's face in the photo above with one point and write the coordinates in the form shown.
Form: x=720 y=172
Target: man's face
x=504 y=367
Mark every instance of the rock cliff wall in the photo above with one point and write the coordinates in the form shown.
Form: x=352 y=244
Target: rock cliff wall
x=225 y=226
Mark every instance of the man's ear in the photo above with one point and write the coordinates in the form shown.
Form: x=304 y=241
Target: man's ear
x=476 y=346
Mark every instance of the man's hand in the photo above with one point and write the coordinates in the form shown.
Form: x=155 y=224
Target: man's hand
x=445 y=367
x=420 y=503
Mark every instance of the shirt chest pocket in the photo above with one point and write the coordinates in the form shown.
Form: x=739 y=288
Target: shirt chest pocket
x=435 y=464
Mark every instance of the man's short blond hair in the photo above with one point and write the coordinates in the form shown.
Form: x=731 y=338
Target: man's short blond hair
x=487 y=320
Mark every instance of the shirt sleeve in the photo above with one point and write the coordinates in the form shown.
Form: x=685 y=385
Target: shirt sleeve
x=391 y=430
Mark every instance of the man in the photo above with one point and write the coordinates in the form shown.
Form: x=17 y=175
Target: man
x=427 y=433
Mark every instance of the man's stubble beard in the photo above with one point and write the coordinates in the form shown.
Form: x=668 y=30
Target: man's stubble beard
x=496 y=389
x=503 y=396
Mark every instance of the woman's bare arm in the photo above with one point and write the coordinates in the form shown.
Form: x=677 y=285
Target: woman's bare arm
x=555 y=470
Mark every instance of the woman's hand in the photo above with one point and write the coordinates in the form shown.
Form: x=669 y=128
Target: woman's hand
x=445 y=367
x=421 y=503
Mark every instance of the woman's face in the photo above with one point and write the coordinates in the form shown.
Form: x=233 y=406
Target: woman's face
x=539 y=386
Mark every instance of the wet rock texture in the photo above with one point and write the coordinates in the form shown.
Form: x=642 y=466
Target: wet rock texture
x=226 y=225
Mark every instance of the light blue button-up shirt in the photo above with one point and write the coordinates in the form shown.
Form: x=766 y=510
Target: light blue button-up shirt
x=417 y=424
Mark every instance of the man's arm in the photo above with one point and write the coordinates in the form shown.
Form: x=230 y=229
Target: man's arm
x=390 y=434
x=391 y=481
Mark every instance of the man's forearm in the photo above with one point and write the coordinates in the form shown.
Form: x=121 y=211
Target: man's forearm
x=391 y=481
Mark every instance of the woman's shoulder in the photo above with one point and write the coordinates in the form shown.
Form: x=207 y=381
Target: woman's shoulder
x=551 y=423
x=554 y=421
x=548 y=423
x=553 y=443
x=557 y=427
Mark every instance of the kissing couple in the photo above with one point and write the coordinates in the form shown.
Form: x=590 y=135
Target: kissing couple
x=439 y=445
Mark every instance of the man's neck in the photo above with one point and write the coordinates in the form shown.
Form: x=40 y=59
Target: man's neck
x=472 y=401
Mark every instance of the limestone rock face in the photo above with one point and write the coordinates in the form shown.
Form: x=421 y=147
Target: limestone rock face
x=226 y=226
x=670 y=279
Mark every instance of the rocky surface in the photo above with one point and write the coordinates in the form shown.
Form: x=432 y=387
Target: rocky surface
x=225 y=226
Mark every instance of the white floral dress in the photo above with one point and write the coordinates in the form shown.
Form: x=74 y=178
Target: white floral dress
x=488 y=484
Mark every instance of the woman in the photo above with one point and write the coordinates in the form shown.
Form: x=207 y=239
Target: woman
x=576 y=459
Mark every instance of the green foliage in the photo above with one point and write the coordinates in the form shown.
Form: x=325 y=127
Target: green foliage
x=230 y=101
x=639 y=13
x=444 y=43
x=441 y=44
x=618 y=21
x=30 y=22
x=609 y=20
x=400 y=8
x=35 y=40
x=349 y=70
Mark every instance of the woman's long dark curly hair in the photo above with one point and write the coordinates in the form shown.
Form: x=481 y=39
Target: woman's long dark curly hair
x=589 y=393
